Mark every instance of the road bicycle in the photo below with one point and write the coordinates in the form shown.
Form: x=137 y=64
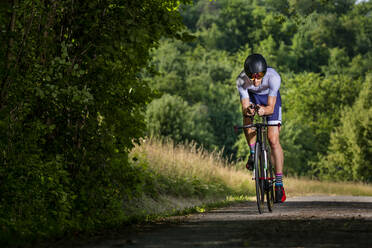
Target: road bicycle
x=263 y=172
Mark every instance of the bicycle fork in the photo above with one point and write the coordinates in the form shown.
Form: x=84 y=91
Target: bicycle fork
x=266 y=177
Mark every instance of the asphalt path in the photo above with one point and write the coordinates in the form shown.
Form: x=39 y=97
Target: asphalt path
x=312 y=221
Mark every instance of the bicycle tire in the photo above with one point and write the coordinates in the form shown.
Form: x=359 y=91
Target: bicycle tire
x=270 y=183
x=262 y=175
x=259 y=183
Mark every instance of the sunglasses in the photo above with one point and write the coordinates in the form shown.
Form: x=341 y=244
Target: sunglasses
x=257 y=75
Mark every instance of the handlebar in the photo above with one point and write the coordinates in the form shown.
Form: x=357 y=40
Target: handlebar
x=255 y=125
x=236 y=127
x=256 y=107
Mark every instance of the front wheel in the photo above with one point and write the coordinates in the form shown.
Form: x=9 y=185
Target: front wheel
x=270 y=183
x=259 y=175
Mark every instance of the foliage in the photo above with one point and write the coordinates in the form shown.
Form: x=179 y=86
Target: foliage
x=200 y=80
x=313 y=106
x=350 y=150
x=72 y=105
x=171 y=117
x=320 y=48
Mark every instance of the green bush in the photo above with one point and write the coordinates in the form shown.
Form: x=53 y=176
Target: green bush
x=349 y=154
x=71 y=108
x=171 y=117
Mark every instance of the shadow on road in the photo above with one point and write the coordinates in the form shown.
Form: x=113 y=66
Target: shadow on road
x=293 y=224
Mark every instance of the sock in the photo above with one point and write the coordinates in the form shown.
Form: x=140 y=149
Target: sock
x=252 y=147
x=279 y=179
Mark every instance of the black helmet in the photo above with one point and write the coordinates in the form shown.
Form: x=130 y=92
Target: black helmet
x=255 y=63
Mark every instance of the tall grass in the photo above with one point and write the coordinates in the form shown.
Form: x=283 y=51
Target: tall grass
x=304 y=186
x=194 y=167
x=186 y=175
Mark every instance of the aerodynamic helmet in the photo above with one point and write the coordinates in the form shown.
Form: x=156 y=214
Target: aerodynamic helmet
x=255 y=66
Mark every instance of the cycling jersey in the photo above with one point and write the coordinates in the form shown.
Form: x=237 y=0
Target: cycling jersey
x=270 y=84
x=259 y=95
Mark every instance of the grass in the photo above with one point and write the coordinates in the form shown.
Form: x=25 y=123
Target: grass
x=304 y=187
x=192 y=163
x=185 y=178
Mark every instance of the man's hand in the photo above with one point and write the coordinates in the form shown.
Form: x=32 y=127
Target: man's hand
x=249 y=111
x=261 y=110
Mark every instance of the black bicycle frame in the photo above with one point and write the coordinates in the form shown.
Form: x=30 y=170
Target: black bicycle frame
x=260 y=131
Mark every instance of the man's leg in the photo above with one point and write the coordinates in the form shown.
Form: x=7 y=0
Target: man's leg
x=277 y=159
x=250 y=136
x=277 y=156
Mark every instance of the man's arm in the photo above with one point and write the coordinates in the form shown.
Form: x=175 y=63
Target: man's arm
x=274 y=85
x=269 y=109
x=245 y=107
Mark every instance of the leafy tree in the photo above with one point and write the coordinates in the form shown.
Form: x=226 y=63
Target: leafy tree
x=171 y=117
x=337 y=63
x=359 y=66
x=312 y=108
x=210 y=12
x=310 y=57
x=269 y=49
x=233 y=26
x=200 y=76
x=359 y=21
x=191 y=13
x=281 y=6
x=349 y=153
x=71 y=106
x=330 y=32
x=306 y=7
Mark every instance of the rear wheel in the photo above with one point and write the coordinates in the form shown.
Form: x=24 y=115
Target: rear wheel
x=259 y=182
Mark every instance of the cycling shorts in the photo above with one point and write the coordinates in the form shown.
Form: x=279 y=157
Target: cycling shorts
x=276 y=117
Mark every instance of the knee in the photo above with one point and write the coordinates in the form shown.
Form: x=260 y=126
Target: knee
x=274 y=141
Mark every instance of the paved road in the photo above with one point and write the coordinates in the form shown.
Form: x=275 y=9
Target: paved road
x=300 y=222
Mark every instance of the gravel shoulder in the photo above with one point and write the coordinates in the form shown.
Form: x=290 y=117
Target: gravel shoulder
x=311 y=221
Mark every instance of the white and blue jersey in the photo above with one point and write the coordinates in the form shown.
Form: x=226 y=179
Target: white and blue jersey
x=269 y=87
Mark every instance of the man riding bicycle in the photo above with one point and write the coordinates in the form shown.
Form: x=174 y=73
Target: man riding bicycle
x=259 y=84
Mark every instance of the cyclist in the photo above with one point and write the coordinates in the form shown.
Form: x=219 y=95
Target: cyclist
x=259 y=84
